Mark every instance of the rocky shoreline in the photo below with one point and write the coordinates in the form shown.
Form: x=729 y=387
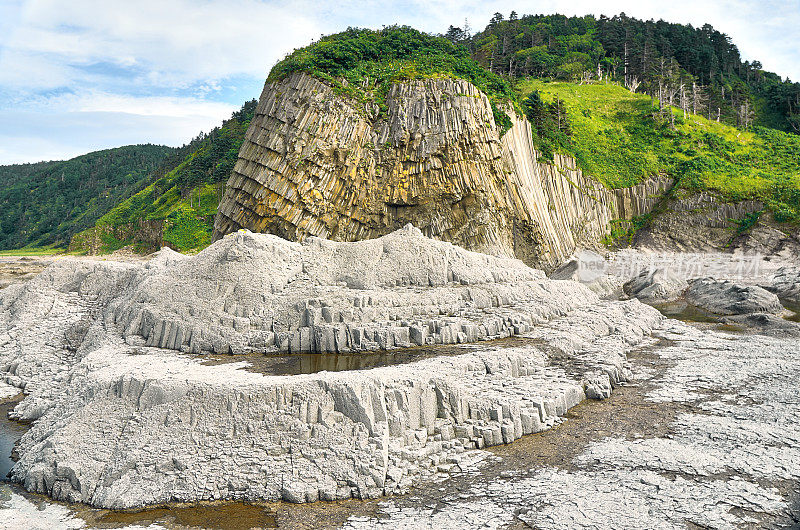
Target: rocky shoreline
x=126 y=414
x=122 y=423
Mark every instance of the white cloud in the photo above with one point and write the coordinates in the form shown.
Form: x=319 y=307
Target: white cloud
x=80 y=75
x=181 y=41
x=167 y=107
x=27 y=136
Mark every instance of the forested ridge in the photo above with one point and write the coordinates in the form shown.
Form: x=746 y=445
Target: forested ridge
x=696 y=67
x=45 y=203
x=183 y=196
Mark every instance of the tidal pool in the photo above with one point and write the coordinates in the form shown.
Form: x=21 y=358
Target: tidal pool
x=795 y=309
x=10 y=432
x=311 y=363
x=686 y=312
x=231 y=515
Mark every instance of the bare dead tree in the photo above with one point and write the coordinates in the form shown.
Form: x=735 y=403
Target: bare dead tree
x=684 y=100
x=632 y=83
x=746 y=114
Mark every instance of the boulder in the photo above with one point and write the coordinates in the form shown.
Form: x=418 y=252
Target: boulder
x=656 y=286
x=730 y=298
x=590 y=268
x=765 y=324
x=786 y=284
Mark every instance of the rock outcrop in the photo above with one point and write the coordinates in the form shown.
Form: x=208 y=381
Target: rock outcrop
x=691 y=221
x=122 y=418
x=653 y=286
x=765 y=324
x=253 y=292
x=730 y=298
x=786 y=284
x=317 y=163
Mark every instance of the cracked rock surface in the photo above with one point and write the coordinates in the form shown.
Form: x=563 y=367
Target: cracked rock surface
x=729 y=458
x=124 y=414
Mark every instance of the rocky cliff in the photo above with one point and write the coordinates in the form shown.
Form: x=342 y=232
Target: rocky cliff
x=318 y=163
x=704 y=222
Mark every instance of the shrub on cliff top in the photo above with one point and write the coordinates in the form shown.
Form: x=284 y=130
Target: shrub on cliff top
x=363 y=63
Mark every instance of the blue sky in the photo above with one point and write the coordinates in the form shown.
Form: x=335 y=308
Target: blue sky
x=79 y=76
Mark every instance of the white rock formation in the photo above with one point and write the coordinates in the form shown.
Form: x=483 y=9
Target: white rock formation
x=730 y=458
x=656 y=286
x=124 y=417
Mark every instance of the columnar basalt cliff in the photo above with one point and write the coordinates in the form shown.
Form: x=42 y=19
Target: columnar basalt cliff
x=318 y=163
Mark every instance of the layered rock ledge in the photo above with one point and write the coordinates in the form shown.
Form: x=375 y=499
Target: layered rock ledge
x=124 y=415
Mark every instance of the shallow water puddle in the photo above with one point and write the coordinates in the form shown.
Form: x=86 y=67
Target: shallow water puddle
x=10 y=432
x=224 y=516
x=686 y=312
x=795 y=309
x=311 y=363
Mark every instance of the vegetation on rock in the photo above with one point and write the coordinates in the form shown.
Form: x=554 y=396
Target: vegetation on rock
x=363 y=64
x=621 y=138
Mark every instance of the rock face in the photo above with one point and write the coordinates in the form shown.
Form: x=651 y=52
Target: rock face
x=729 y=298
x=656 y=286
x=692 y=221
x=786 y=284
x=123 y=419
x=315 y=163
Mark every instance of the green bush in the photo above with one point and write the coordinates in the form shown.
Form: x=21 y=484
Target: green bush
x=185 y=231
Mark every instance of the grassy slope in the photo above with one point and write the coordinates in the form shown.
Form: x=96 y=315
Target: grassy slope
x=616 y=140
x=185 y=198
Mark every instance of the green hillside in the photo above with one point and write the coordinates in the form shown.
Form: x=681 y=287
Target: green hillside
x=621 y=138
x=178 y=205
x=627 y=98
x=699 y=65
x=44 y=204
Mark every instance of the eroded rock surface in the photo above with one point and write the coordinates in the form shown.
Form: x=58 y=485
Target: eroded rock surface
x=689 y=221
x=728 y=460
x=730 y=298
x=656 y=286
x=124 y=417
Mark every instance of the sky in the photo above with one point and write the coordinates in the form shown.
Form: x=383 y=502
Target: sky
x=79 y=76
